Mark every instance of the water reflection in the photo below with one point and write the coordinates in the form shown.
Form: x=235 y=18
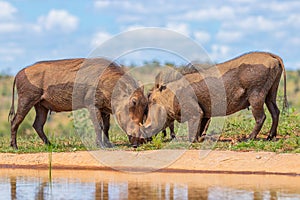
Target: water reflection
x=22 y=187
x=13 y=188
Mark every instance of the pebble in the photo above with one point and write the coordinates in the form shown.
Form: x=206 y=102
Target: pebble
x=258 y=157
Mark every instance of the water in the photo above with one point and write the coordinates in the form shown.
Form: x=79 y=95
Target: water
x=88 y=184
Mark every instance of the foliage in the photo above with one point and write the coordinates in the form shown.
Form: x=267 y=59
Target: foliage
x=65 y=136
x=239 y=126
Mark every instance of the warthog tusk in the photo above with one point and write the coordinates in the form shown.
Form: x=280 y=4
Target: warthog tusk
x=140 y=124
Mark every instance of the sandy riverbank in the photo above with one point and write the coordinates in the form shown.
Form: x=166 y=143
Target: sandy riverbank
x=189 y=161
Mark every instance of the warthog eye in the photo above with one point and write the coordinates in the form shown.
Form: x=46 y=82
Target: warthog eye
x=153 y=101
x=162 y=87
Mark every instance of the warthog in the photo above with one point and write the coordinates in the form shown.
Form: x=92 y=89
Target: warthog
x=171 y=128
x=170 y=125
x=71 y=84
x=249 y=80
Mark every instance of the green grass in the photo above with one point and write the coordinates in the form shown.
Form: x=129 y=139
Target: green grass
x=60 y=130
x=236 y=129
x=239 y=126
x=33 y=144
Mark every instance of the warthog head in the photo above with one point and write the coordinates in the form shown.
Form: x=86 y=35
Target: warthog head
x=129 y=104
x=161 y=110
x=171 y=99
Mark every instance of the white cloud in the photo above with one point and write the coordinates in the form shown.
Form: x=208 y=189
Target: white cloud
x=202 y=36
x=260 y=23
x=229 y=36
x=59 y=20
x=132 y=27
x=129 y=18
x=99 y=38
x=7 y=10
x=253 y=24
x=132 y=6
x=179 y=27
x=153 y=39
x=9 y=27
x=102 y=3
x=294 y=20
x=242 y=1
x=219 y=52
x=280 y=34
x=293 y=41
x=33 y=27
x=212 y=13
x=292 y=65
x=7 y=18
x=281 y=6
x=10 y=52
x=225 y=28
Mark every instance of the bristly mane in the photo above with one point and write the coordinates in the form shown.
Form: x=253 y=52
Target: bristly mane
x=177 y=73
x=263 y=52
x=66 y=59
x=85 y=62
x=195 y=68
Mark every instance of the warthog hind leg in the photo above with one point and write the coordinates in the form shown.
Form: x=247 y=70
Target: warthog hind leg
x=40 y=120
x=257 y=103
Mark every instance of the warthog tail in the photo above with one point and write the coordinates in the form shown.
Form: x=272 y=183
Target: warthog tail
x=12 y=113
x=285 y=106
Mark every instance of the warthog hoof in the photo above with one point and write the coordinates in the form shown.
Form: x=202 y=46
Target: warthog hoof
x=14 y=146
x=104 y=145
x=108 y=145
x=270 y=137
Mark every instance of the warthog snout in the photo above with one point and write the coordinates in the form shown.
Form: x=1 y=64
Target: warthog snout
x=136 y=141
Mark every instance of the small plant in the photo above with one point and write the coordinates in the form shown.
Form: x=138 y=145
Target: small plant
x=50 y=163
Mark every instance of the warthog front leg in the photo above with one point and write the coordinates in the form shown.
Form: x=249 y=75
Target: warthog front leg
x=194 y=125
x=105 y=128
x=101 y=124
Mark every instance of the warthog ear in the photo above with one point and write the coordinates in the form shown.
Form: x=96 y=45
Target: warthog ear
x=142 y=88
x=133 y=101
x=162 y=87
x=141 y=85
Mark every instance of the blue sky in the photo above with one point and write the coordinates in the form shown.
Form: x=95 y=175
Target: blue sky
x=35 y=30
